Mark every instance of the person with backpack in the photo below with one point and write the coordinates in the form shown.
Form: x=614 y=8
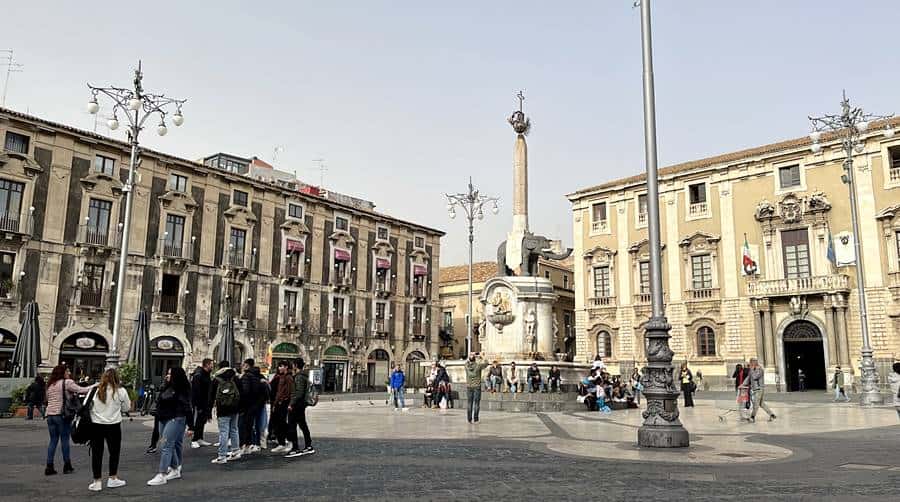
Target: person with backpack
x=398 y=380
x=283 y=383
x=35 y=395
x=302 y=397
x=62 y=391
x=226 y=398
x=200 y=382
x=173 y=409
x=107 y=404
x=253 y=397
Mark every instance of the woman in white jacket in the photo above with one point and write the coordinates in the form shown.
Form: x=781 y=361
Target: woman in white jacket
x=894 y=380
x=109 y=402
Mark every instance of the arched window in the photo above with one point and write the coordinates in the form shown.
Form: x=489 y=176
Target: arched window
x=604 y=344
x=706 y=341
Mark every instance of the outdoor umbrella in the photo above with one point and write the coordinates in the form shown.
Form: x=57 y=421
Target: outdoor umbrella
x=139 y=352
x=27 y=355
x=226 y=346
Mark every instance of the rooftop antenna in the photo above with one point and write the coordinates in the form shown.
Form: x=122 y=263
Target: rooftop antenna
x=320 y=166
x=278 y=149
x=11 y=67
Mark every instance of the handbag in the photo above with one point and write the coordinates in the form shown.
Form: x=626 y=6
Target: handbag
x=71 y=404
x=82 y=428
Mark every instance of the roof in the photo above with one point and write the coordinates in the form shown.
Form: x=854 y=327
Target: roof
x=726 y=158
x=199 y=166
x=481 y=272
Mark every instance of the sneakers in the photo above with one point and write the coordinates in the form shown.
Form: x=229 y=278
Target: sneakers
x=219 y=460
x=173 y=473
x=771 y=418
x=151 y=450
x=203 y=443
x=96 y=486
x=309 y=450
x=281 y=449
x=254 y=449
x=159 y=479
x=115 y=483
x=195 y=445
x=235 y=455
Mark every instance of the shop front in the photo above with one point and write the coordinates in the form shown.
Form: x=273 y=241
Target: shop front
x=165 y=352
x=334 y=369
x=7 y=347
x=85 y=355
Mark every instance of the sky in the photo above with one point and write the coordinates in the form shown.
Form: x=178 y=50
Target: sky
x=404 y=100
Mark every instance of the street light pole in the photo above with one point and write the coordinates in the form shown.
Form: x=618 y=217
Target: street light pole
x=849 y=127
x=472 y=203
x=137 y=106
x=661 y=428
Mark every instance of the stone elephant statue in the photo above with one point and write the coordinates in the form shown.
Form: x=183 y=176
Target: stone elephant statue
x=533 y=248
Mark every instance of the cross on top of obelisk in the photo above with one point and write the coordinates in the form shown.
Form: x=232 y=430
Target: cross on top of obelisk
x=517 y=120
x=521 y=97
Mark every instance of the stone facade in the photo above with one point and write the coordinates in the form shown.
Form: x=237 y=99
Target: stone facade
x=796 y=311
x=345 y=287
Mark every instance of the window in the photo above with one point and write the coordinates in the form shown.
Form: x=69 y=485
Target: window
x=174 y=236
x=236 y=247
x=644 y=268
x=789 y=176
x=239 y=198
x=706 y=341
x=697 y=197
x=168 y=295
x=104 y=165
x=642 y=208
x=419 y=286
x=598 y=217
x=565 y=281
x=16 y=142
x=601 y=282
x=295 y=211
x=340 y=271
x=337 y=310
x=381 y=279
x=546 y=274
x=10 y=204
x=795 y=248
x=604 y=344
x=92 y=285
x=567 y=323
x=178 y=182
x=701 y=271
x=419 y=242
x=290 y=306
x=293 y=258
x=894 y=164
x=448 y=319
x=97 y=231
x=380 y=310
x=7 y=264
x=382 y=233
x=341 y=223
x=417 y=321
x=235 y=296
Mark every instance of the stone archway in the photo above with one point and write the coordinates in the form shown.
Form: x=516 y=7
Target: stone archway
x=804 y=337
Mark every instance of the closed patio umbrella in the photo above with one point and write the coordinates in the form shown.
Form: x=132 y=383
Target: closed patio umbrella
x=27 y=355
x=226 y=346
x=139 y=352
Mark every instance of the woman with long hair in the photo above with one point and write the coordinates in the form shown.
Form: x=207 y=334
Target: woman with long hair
x=172 y=409
x=59 y=425
x=687 y=385
x=110 y=401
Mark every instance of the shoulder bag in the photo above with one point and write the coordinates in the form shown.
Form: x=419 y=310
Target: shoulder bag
x=72 y=405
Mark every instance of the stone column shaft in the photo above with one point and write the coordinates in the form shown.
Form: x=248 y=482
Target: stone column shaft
x=520 y=186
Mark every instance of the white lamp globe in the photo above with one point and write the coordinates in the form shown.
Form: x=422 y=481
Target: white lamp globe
x=134 y=104
x=862 y=126
x=816 y=148
x=495 y=209
x=113 y=124
x=178 y=118
x=92 y=106
x=480 y=215
x=815 y=136
x=162 y=129
x=452 y=214
x=859 y=147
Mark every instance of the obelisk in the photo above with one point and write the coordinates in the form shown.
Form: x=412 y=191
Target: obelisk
x=520 y=124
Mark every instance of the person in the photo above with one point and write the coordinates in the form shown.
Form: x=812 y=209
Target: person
x=58 y=425
x=428 y=398
x=636 y=385
x=598 y=363
x=253 y=397
x=200 y=382
x=173 y=409
x=687 y=385
x=398 y=381
x=495 y=377
x=699 y=383
x=442 y=383
x=512 y=378
x=801 y=380
x=473 y=385
x=35 y=395
x=894 y=381
x=225 y=396
x=109 y=402
x=262 y=416
x=755 y=381
x=535 y=382
x=554 y=378
x=284 y=388
x=738 y=376
x=297 y=412
x=837 y=381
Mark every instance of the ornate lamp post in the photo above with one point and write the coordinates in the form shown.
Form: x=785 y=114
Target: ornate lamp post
x=472 y=203
x=137 y=106
x=661 y=428
x=849 y=127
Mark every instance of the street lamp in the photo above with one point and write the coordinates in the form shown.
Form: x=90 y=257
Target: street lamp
x=848 y=127
x=137 y=106
x=661 y=428
x=472 y=203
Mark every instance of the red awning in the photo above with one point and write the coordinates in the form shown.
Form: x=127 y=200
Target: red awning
x=382 y=263
x=341 y=255
x=420 y=270
x=294 y=246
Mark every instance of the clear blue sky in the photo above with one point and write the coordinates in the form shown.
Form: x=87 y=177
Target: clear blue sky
x=405 y=99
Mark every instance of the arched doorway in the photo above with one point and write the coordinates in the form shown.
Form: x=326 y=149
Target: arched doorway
x=85 y=355
x=334 y=369
x=284 y=351
x=7 y=347
x=803 y=351
x=378 y=369
x=415 y=372
x=165 y=352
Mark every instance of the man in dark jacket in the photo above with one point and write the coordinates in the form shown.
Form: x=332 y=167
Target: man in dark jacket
x=224 y=394
x=200 y=382
x=535 y=382
x=35 y=396
x=253 y=397
x=297 y=412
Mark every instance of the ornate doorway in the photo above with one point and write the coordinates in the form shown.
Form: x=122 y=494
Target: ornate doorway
x=804 y=351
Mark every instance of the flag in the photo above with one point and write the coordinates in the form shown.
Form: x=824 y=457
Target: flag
x=830 y=254
x=749 y=263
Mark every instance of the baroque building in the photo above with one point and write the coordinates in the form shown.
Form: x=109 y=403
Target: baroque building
x=757 y=261
x=303 y=272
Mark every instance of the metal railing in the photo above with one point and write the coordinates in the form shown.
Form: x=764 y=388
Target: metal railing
x=799 y=285
x=291 y=268
x=698 y=208
x=417 y=328
x=289 y=316
x=599 y=226
x=702 y=293
x=642 y=298
x=91 y=298
x=642 y=218
x=237 y=258
x=895 y=174
x=380 y=326
x=94 y=236
x=20 y=224
x=602 y=301
x=174 y=249
x=337 y=322
x=168 y=304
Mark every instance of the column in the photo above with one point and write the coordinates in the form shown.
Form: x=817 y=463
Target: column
x=843 y=341
x=758 y=323
x=830 y=332
x=768 y=337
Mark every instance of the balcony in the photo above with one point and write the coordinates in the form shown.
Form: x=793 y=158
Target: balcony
x=98 y=239
x=174 y=251
x=92 y=300
x=642 y=218
x=380 y=328
x=289 y=318
x=338 y=325
x=168 y=304
x=894 y=284
x=642 y=299
x=419 y=292
x=600 y=226
x=8 y=294
x=382 y=290
x=417 y=333
x=697 y=209
x=236 y=262
x=602 y=301
x=341 y=282
x=21 y=226
x=894 y=174
x=292 y=272
x=702 y=294
x=799 y=285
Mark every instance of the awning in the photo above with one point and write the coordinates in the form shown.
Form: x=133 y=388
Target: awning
x=420 y=270
x=341 y=255
x=382 y=263
x=294 y=246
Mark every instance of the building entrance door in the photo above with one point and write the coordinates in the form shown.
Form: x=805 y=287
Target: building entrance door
x=333 y=376
x=803 y=351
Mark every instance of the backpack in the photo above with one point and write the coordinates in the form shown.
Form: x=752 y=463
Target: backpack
x=83 y=424
x=312 y=394
x=72 y=404
x=227 y=394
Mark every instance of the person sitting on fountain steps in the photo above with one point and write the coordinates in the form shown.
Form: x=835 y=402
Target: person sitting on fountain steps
x=535 y=382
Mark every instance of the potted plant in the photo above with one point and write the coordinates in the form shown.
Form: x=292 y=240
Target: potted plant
x=6 y=285
x=18 y=407
x=128 y=374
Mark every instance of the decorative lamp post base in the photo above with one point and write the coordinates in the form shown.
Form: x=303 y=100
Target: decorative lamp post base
x=661 y=428
x=112 y=360
x=870 y=394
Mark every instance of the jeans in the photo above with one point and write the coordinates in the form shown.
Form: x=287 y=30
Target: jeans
x=398 y=398
x=262 y=425
x=537 y=385
x=228 y=431
x=296 y=417
x=172 y=432
x=60 y=429
x=756 y=396
x=513 y=387
x=474 y=394
x=40 y=407
x=554 y=384
x=280 y=422
x=495 y=383
x=112 y=435
x=838 y=392
x=246 y=423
